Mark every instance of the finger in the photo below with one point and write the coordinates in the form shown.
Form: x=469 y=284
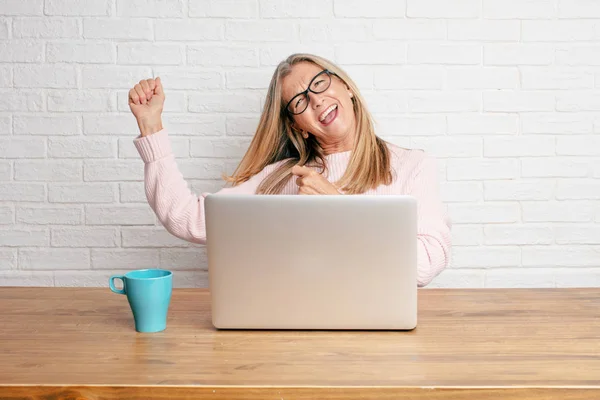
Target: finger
x=146 y=89
x=159 y=88
x=140 y=92
x=133 y=97
x=299 y=181
x=301 y=170
x=151 y=84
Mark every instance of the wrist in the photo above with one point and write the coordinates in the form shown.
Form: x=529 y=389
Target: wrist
x=149 y=127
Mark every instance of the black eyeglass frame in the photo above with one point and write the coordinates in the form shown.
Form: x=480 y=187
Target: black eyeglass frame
x=305 y=93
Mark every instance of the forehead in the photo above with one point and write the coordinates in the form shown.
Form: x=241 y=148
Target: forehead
x=298 y=79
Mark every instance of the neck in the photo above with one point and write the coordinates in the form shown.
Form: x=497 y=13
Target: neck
x=346 y=143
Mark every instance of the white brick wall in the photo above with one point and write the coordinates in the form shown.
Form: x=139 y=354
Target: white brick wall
x=504 y=92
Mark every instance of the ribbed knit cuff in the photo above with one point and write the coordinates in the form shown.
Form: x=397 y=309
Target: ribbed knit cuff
x=153 y=147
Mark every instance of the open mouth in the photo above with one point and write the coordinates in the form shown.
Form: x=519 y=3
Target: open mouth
x=329 y=115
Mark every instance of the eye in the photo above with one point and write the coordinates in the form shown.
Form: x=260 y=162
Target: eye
x=299 y=102
x=317 y=83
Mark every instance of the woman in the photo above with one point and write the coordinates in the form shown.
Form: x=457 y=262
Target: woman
x=315 y=136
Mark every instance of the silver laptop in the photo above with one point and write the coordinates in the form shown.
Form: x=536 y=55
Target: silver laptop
x=312 y=262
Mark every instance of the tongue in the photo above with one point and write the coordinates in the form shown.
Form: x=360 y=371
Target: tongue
x=330 y=117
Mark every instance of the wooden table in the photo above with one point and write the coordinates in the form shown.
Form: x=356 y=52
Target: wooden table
x=79 y=343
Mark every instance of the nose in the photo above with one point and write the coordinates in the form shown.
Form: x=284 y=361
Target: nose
x=316 y=100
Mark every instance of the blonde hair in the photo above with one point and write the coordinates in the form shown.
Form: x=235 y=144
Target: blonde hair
x=275 y=140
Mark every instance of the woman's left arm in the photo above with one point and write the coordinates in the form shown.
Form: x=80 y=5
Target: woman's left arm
x=433 y=225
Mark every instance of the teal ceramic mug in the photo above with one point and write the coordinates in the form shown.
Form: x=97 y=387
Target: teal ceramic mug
x=149 y=294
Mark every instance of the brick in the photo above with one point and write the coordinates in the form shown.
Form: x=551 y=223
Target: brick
x=110 y=124
x=79 y=100
x=446 y=101
x=249 y=79
x=348 y=8
x=274 y=53
x=120 y=259
x=461 y=191
x=22 y=148
x=486 y=256
x=519 y=9
x=180 y=146
x=484 y=31
x=577 y=234
x=579 y=145
x=418 y=126
x=557 y=123
x=241 y=102
x=7 y=216
x=47 y=125
x=81 y=148
x=577 y=277
x=119 y=215
x=519 y=278
x=577 y=55
x=82 y=193
x=118 y=28
x=405 y=77
x=387 y=101
x=362 y=76
x=146 y=53
x=83 y=278
x=8 y=260
x=554 y=167
x=387 y=52
x=132 y=192
x=22 y=7
x=520 y=146
x=192 y=30
x=84 y=237
x=578 y=9
x=518 y=234
x=450 y=147
x=559 y=78
x=551 y=211
x=577 y=189
x=5 y=124
x=6 y=76
x=22 y=192
x=201 y=169
x=26 y=278
x=150 y=8
x=559 y=31
x=482 y=78
x=219 y=148
x=467 y=235
x=17 y=237
x=450 y=54
x=49 y=171
x=409 y=29
x=224 y=8
x=44 y=215
x=458 y=278
x=182 y=259
x=517 y=54
x=260 y=31
x=522 y=189
x=113 y=170
x=190 y=279
x=480 y=124
x=561 y=256
x=189 y=78
x=205 y=125
x=150 y=237
x=74 y=52
x=95 y=77
x=518 y=101
x=241 y=125
x=479 y=169
x=45 y=76
x=443 y=9
x=21 y=51
x=574 y=101
x=77 y=7
x=5 y=171
x=5 y=28
x=54 y=259
x=47 y=27
x=490 y=213
x=342 y=31
x=20 y=101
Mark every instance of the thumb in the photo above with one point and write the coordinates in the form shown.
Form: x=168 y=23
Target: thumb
x=158 y=90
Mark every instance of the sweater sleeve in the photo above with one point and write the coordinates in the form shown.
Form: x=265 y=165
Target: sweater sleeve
x=433 y=225
x=179 y=210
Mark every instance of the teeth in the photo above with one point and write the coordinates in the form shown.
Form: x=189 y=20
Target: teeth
x=326 y=112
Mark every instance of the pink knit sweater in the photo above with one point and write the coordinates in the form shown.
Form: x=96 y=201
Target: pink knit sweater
x=182 y=212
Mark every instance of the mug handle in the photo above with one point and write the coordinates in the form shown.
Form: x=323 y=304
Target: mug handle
x=111 y=284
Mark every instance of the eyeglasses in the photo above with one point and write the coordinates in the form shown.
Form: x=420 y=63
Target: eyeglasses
x=320 y=83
